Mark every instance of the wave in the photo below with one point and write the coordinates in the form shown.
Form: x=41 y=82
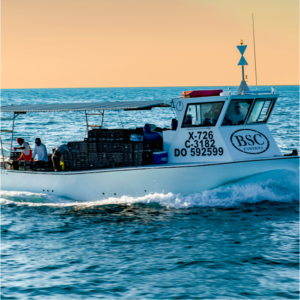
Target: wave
x=275 y=186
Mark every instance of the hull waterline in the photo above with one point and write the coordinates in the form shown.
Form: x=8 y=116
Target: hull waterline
x=140 y=181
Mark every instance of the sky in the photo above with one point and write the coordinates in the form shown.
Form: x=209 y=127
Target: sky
x=144 y=43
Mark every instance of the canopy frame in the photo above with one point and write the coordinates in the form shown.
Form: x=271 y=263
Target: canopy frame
x=86 y=106
x=101 y=113
x=16 y=114
x=92 y=106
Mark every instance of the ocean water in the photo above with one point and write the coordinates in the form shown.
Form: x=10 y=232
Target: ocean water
x=237 y=241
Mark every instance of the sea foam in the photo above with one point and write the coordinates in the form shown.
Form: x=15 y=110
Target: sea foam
x=277 y=186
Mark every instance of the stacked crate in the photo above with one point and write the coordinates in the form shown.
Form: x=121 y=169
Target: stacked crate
x=15 y=155
x=35 y=166
x=105 y=148
x=137 y=153
x=109 y=135
x=148 y=148
x=42 y=166
x=104 y=155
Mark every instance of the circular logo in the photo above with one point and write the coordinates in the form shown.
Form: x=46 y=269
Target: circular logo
x=179 y=106
x=249 y=141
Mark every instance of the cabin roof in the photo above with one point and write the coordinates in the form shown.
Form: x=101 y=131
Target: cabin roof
x=57 y=107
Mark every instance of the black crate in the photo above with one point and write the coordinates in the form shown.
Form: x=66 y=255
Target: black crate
x=84 y=166
x=92 y=133
x=48 y=165
x=117 y=157
x=74 y=145
x=102 y=156
x=25 y=165
x=110 y=136
x=147 y=158
x=92 y=140
x=74 y=150
x=68 y=164
x=154 y=146
x=15 y=155
x=83 y=147
x=64 y=157
x=127 y=147
x=109 y=147
x=91 y=147
x=99 y=146
x=126 y=135
x=138 y=130
x=21 y=163
x=137 y=156
x=137 y=146
x=98 y=165
x=76 y=156
x=92 y=156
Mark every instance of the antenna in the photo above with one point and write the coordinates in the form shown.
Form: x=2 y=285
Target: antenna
x=254 y=50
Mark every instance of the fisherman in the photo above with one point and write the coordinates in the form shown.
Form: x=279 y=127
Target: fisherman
x=58 y=152
x=188 y=120
x=211 y=117
x=237 y=116
x=40 y=150
x=25 y=147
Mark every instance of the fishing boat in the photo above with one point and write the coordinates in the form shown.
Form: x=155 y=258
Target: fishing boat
x=216 y=137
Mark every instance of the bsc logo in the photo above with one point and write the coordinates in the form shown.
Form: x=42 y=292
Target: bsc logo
x=249 y=141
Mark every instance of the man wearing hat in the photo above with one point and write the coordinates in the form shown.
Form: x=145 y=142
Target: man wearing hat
x=40 y=150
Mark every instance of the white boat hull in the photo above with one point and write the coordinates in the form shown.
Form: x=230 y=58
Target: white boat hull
x=136 y=182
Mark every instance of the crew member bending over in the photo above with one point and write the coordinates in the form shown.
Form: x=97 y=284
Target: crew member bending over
x=25 y=147
x=57 y=155
x=40 y=150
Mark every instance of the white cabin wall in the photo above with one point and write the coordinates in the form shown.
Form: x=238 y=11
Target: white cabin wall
x=168 y=137
x=239 y=142
x=180 y=143
x=249 y=141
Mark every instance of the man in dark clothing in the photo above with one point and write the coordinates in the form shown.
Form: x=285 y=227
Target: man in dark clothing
x=57 y=155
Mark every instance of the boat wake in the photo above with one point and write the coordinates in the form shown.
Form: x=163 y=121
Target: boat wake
x=275 y=186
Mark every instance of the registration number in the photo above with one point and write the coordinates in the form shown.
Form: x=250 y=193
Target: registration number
x=200 y=143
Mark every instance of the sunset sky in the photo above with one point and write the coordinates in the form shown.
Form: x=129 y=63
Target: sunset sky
x=140 y=43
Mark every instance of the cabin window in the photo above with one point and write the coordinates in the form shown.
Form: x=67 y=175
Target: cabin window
x=202 y=114
x=237 y=112
x=260 y=111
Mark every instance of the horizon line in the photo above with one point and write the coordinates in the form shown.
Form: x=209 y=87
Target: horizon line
x=133 y=87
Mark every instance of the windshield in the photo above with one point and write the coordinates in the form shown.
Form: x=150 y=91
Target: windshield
x=261 y=111
x=237 y=112
x=202 y=114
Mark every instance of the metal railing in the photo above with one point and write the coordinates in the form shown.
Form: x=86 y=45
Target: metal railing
x=8 y=131
x=2 y=150
x=101 y=113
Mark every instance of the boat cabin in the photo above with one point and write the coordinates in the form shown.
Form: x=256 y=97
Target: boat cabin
x=221 y=128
